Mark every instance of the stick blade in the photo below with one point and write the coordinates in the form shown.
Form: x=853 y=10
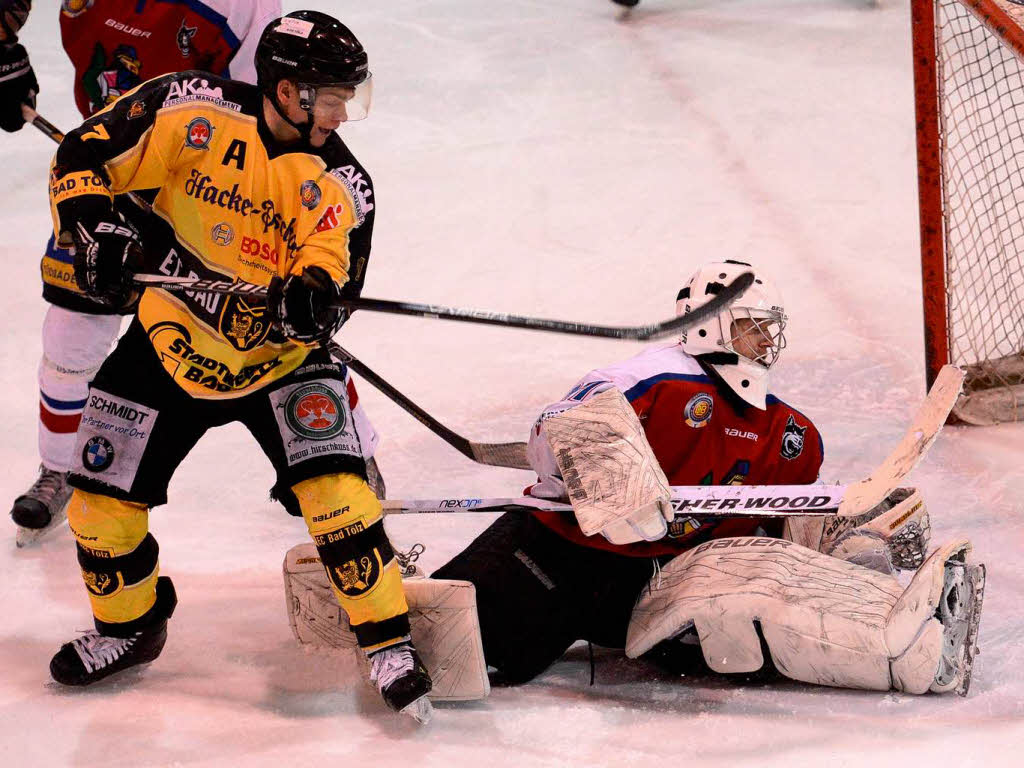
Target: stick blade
x=930 y=417
x=510 y=455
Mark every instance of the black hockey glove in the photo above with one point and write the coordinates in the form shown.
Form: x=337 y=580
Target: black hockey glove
x=305 y=307
x=18 y=86
x=107 y=254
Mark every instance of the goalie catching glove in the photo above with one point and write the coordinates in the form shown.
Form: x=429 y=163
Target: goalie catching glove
x=305 y=307
x=614 y=482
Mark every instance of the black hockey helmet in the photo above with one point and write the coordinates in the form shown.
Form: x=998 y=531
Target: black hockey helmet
x=314 y=50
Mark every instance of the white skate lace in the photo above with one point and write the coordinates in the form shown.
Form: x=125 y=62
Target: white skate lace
x=48 y=485
x=97 y=651
x=389 y=665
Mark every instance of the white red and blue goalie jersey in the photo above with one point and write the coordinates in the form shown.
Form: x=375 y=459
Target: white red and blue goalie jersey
x=701 y=434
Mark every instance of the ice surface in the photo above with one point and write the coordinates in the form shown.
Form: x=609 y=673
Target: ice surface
x=545 y=158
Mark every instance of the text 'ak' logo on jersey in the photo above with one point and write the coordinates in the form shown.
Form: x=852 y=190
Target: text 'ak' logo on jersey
x=697 y=412
x=792 y=439
x=243 y=325
x=198 y=133
x=315 y=412
x=98 y=454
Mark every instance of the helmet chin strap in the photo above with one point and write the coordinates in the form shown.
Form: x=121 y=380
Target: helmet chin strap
x=305 y=129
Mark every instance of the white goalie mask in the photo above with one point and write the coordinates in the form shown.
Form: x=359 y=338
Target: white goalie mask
x=743 y=341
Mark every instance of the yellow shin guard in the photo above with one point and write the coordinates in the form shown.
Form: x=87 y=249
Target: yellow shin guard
x=345 y=520
x=117 y=555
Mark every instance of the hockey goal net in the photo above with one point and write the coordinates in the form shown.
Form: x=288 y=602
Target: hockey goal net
x=969 y=82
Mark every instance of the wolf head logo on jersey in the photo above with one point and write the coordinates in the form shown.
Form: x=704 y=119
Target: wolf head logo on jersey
x=184 y=38
x=792 y=439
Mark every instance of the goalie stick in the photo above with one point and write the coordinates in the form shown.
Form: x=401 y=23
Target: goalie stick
x=720 y=501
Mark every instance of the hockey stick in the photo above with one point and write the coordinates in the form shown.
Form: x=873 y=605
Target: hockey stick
x=725 y=296
x=721 y=501
x=511 y=455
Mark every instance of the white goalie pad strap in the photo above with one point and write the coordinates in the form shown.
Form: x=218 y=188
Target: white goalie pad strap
x=823 y=619
x=442 y=614
x=614 y=482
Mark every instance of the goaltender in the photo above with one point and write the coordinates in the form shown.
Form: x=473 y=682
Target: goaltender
x=254 y=184
x=820 y=600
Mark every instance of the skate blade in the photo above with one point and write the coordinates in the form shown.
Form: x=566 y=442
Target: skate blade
x=27 y=537
x=976 y=575
x=420 y=710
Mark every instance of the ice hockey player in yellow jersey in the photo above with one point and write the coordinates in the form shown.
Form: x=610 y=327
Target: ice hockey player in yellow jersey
x=254 y=184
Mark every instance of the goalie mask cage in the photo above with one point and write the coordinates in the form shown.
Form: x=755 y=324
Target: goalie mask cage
x=969 y=84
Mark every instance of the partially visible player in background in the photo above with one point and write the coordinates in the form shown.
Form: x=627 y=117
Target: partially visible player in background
x=114 y=45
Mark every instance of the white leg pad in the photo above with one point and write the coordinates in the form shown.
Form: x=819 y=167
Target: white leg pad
x=442 y=615
x=825 y=621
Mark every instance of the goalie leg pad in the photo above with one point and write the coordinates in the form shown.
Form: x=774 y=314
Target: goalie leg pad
x=442 y=614
x=824 y=621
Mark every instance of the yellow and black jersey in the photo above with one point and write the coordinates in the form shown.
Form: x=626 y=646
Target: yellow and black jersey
x=230 y=202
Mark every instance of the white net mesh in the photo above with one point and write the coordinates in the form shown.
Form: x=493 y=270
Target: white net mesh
x=981 y=85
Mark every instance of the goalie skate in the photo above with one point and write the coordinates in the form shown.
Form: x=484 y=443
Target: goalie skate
x=960 y=613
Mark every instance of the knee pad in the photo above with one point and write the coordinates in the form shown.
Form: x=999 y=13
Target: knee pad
x=118 y=557
x=346 y=523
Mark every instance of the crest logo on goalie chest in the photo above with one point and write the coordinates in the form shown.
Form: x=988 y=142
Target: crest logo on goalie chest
x=697 y=412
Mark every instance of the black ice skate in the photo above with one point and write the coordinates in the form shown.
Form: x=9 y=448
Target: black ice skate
x=42 y=508
x=960 y=613
x=93 y=656
x=627 y=3
x=402 y=680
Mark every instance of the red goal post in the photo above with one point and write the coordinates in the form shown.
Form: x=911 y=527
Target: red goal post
x=969 y=89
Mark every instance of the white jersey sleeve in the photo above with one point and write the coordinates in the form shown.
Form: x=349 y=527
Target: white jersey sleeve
x=549 y=481
x=625 y=375
x=246 y=19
